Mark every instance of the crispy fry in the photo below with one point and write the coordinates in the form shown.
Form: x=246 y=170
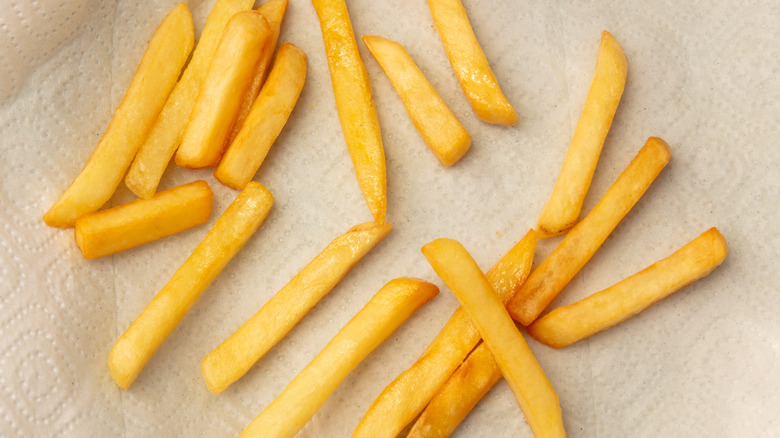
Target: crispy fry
x=242 y=45
x=404 y=398
x=155 y=77
x=355 y=104
x=569 y=324
x=563 y=208
x=440 y=129
x=237 y=354
x=143 y=220
x=533 y=391
x=579 y=245
x=145 y=335
x=470 y=64
x=307 y=392
x=165 y=135
x=269 y=115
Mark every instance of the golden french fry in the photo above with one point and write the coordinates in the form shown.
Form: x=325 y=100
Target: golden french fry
x=307 y=392
x=246 y=37
x=470 y=64
x=355 y=104
x=269 y=115
x=579 y=244
x=165 y=135
x=406 y=396
x=155 y=77
x=569 y=324
x=143 y=220
x=150 y=329
x=237 y=354
x=533 y=391
x=440 y=129
x=563 y=208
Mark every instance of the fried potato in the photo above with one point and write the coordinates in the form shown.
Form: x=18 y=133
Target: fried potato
x=533 y=391
x=569 y=324
x=242 y=45
x=155 y=77
x=404 y=398
x=563 y=208
x=269 y=115
x=355 y=104
x=309 y=390
x=437 y=125
x=579 y=244
x=165 y=135
x=237 y=354
x=470 y=64
x=143 y=220
x=145 y=335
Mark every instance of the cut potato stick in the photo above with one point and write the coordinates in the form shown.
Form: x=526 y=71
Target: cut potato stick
x=143 y=220
x=307 y=392
x=155 y=77
x=242 y=45
x=273 y=11
x=440 y=129
x=563 y=208
x=579 y=244
x=145 y=335
x=569 y=324
x=355 y=104
x=533 y=391
x=470 y=64
x=165 y=135
x=404 y=398
x=269 y=115
x=237 y=354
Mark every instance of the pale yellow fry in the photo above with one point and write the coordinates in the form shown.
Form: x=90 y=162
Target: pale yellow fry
x=563 y=208
x=143 y=220
x=470 y=64
x=242 y=45
x=155 y=77
x=307 y=392
x=273 y=11
x=145 y=335
x=437 y=125
x=569 y=324
x=355 y=104
x=237 y=354
x=533 y=391
x=406 y=396
x=579 y=245
x=165 y=135
x=269 y=114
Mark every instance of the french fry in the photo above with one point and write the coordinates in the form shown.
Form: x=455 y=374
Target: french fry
x=569 y=324
x=237 y=354
x=269 y=115
x=533 y=391
x=406 y=396
x=143 y=220
x=155 y=77
x=309 y=390
x=579 y=244
x=440 y=129
x=150 y=329
x=563 y=208
x=355 y=104
x=470 y=64
x=165 y=135
x=246 y=37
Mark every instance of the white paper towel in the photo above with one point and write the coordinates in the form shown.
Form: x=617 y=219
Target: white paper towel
x=702 y=75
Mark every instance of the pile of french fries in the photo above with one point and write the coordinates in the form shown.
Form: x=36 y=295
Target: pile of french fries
x=226 y=107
